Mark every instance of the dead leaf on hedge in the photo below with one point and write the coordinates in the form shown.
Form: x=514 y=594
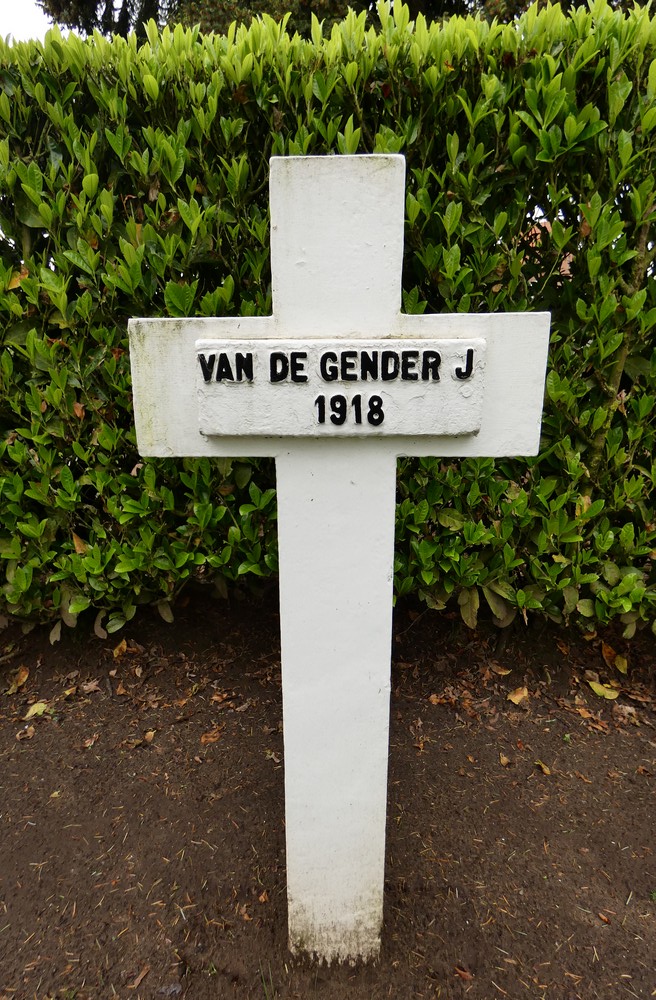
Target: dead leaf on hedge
x=17 y=680
x=80 y=545
x=518 y=695
x=36 y=710
x=17 y=277
x=603 y=691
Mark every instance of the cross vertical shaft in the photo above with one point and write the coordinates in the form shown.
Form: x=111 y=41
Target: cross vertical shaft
x=336 y=538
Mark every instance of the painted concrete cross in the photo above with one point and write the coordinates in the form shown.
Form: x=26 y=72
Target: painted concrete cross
x=336 y=384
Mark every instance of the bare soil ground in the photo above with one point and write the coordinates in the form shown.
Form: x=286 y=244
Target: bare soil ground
x=142 y=815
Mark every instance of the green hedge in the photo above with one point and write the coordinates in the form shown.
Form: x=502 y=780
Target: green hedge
x=133 y=182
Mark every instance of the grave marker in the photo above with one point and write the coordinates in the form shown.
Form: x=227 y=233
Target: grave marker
x=337 y=384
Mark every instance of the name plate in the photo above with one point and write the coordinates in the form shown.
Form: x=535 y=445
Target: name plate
x=344 y=388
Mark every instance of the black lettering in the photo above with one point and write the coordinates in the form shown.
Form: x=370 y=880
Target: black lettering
x=375 y=416
x=224 y=369
x=408 y=361
x=349 y=360
x=469 y=365
x=244 y=367
x=389 y=368
x=298 y=366
x=328 y=366
x=368 y=365
x=430 y=366
x=278 y=366
x=207 y=366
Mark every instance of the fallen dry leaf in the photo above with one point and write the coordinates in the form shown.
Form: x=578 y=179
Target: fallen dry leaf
x=501 y=671
x=613 y=659
x=626 y=713
x=218 y=697
x=36 y=710
x=17 y=680
x=604 y=918
x=603 y=691
x=621 y=664
x=26 y=733
x=88 y=687
x=264 y=897
x=518 y=695
x=132 y=742
x=543 y=767
x=90 y=741
x=462 y=973
x=503 y=760
x=121 y=649
x=212 y=736
x=149 y=735
x=138 y=981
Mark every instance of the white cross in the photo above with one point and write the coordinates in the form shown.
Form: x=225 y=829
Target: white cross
x=337 y=384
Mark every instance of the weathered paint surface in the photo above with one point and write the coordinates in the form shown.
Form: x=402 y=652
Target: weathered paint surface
x=337 y=249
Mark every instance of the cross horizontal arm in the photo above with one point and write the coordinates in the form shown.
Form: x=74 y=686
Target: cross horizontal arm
x=165 y=381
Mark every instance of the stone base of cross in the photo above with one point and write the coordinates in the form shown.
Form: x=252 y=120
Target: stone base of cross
x=337 y=384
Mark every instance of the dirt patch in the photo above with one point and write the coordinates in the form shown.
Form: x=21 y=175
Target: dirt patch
x=142 y=815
